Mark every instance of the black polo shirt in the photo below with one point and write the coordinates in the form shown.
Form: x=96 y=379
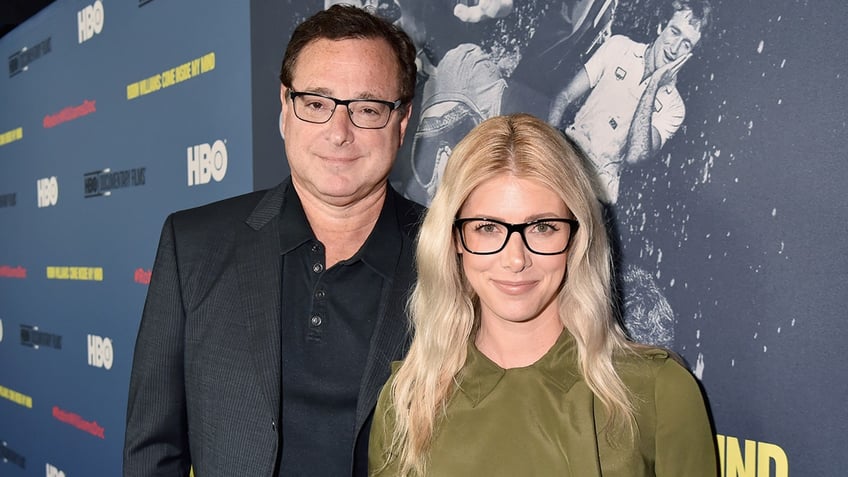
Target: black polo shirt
x=328 y=316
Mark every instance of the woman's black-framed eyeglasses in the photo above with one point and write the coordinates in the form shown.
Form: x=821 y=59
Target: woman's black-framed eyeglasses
x=484 y=236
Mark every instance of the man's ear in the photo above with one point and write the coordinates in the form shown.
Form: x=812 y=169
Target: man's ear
x=404 y=122
x=283 y=109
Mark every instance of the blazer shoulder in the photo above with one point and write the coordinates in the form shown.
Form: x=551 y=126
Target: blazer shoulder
x=223 y=213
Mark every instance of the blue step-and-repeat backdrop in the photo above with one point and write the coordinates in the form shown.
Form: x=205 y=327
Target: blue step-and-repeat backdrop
x=731 y=235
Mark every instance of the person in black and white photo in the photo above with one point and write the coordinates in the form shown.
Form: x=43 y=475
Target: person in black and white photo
x=471 y=58
x=633 y=107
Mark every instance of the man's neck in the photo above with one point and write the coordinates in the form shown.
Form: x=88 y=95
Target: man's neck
x=342 y=229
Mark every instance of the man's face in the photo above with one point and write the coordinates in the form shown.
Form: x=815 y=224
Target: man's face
x=336 y=162
x=678 y=38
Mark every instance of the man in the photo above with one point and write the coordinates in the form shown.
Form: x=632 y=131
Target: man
x=272 y=318
x=633 y=106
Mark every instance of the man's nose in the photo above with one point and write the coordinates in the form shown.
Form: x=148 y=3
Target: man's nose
x=675 y=47
x=341 y=125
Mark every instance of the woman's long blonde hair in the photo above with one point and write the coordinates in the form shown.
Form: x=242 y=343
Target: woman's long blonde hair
x=445 y=310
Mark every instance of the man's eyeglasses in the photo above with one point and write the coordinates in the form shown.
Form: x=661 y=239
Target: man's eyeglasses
x=363 y=113
x=482 y=236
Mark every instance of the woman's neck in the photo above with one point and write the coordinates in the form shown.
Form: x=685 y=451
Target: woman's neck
x=516 y=345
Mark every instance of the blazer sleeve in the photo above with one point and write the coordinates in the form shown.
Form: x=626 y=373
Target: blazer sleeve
x=685 y=443
x=156 y=441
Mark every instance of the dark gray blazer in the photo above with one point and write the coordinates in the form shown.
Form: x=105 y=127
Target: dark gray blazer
x=205 y=384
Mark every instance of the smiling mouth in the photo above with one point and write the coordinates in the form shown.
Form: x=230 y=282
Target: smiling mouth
x=335 y=159
x=514 y=288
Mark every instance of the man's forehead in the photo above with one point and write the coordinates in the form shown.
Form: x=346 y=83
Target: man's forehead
x=361 y=51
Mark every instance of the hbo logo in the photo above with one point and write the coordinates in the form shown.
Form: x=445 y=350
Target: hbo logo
x=207 y=162
x=100 y=352
x=90 y=21
x=48 y=191
x=54 y=472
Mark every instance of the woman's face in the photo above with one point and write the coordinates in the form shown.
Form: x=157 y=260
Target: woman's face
x=514 y=285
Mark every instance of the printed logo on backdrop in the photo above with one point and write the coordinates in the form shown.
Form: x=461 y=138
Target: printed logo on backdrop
x=757 y=458
x=8 y=200
x=207 y=162
x=11 y=135
x=172 y=76
x=91 y=274
x=11 y=456
x=12 y=272
x=53 y=471
x=142 y=276
x=34 y=338
x=20 y=60
x=16 y=397
x=103 y=182
x=90 y=21
x=69 y=114
x=47 y=191
x=77 y=421
x=101 y=353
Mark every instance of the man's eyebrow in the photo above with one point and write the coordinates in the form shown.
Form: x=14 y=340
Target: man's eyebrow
x=321 y=91
x=328 y=92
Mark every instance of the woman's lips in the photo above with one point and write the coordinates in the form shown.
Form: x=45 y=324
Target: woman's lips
x=511 y=287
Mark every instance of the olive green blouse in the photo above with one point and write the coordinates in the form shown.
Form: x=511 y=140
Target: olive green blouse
x=542 y=420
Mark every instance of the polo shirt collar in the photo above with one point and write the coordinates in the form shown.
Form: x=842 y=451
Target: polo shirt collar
x=294 y=228
x=381 y=249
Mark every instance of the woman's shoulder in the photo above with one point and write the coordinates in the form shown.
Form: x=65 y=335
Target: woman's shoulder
x=645 y=364
x=395 y=366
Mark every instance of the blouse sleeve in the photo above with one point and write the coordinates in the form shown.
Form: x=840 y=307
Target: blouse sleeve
x=685 y=444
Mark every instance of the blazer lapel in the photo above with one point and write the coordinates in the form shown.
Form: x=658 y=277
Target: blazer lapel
x=388 y=343
x=258 y=253
x=391 y=338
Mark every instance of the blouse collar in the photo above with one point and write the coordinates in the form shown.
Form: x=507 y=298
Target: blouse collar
x=480 y=375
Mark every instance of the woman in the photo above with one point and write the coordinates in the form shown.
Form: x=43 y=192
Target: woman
x=518 y=366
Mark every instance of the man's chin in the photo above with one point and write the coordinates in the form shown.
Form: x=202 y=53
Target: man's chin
x=346 y=193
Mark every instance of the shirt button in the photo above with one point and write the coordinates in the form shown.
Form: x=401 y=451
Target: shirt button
x=317 y=268
x=316 y=248
x=320 y=294
x=315 y=320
